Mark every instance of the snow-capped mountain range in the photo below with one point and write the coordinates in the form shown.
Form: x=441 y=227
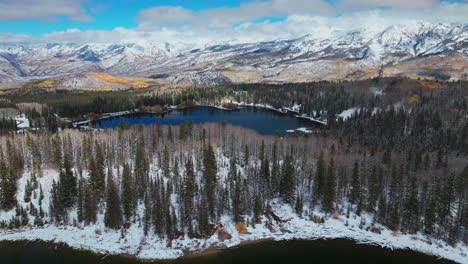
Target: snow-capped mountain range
x=418 y=48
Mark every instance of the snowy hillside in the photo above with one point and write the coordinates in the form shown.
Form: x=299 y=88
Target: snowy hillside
x=165 y=191
x=346 y=55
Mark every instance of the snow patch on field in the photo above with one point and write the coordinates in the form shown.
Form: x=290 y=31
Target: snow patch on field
x=348 y=113
x=22 y=122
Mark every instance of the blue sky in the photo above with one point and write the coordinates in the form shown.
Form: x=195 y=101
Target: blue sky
x=37 y=18
x=107 y=15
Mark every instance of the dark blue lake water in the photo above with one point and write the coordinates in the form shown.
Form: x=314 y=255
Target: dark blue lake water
x=263 y=121
x=330 y=251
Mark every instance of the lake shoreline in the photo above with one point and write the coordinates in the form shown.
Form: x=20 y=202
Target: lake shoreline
x=215 y=255
x=263 y=120
x=79 y=122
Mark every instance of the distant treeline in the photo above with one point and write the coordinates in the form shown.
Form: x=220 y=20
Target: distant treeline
x=393 y=112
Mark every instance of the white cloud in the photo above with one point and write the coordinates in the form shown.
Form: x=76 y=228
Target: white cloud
x=368 y=4
x=43 y=10
x=195 y=31
x=226 y=17
x=166 y=15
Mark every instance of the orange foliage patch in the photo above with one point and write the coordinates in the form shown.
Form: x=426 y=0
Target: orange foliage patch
x=241 y=228
x=429 y=85
x=317 y=219
x=104 y=89
x=223 y=234
x=109 y=78
x=413 y=99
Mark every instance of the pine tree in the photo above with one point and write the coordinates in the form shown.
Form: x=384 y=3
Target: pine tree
x=265 y=178
x=90 y=203
x=27 y=192
x=148 y=213
x=189 y=193
x=158 y=212
x=68 y=189
x=95 y=178
x=141 y=169
x=319 y=181
x=166 y=167
x=258 y=209
x=203 y=221
x=246 y=155
x=355 y=195
x=210 y=178
x=374 y=182
x=113 y=214
x=275 y=172
x=412 y=206
x=57 y=151
x=299 y=205
x=330 y=188
x=80 y=209
x=382 y=210
x=57 y=208
x=288 y=182
x=128 y=196
x=236 y=201
x=100 y=176
x=7 y=184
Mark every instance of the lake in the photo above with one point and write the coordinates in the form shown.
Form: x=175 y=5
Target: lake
x=281 y=252
x=264 y=121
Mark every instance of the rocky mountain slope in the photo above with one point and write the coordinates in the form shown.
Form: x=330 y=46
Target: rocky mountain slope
x=417 y=49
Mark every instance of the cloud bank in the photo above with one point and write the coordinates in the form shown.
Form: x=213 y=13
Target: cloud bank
x=46 y=10
x=253 y=21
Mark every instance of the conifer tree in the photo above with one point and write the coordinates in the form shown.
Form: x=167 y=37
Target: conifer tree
x=189 y=193
x=258 y=208
x=141 y=169
x=67 y=184
x=203 y=220
x=210 y=178
x=158 y=213
x=80 y=209
x=330 y=188
x=7 y=185
x=355 y=195
x=288 y=182
x=113 y=214
x=128 y=195
x=90 y=203
x=412 y=207
x=237 y=202
x=148 y=213
x=275 y=171
x=99 y=171
x=319 y=181
x=166 y=167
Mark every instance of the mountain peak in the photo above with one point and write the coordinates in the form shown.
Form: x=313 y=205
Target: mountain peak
x=351 y=54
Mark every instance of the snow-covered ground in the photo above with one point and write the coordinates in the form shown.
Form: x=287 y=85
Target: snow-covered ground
x=98 y=238
x=348 y=113
x=22 y=122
